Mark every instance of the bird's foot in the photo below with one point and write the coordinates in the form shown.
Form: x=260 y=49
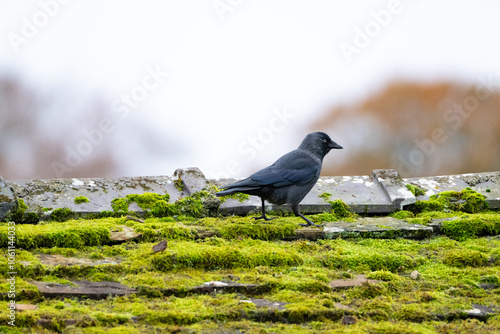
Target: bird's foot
x=312 y=224
x=263 y=217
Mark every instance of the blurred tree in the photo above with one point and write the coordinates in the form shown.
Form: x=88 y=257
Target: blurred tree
x=37 y=131
x=419 y=129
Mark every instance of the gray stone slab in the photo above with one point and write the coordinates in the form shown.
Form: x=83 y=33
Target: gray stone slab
x=437 y=223
x=361 y=193
x=192 y=179
x=224 y=287
x=381 y=193
x=371 y=227
x=59 y=260
x=127 y=233
x=352 y=282
x=235 y=207
x=94 y=290
x=273 y=305
x=61 y=193
x=394 y=187
x=7 y=199
x=487 y=184
x=481 y=312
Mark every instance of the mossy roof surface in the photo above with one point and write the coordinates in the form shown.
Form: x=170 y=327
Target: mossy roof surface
x=456 y=270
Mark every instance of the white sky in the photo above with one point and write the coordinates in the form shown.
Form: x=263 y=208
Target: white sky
x=232 y=63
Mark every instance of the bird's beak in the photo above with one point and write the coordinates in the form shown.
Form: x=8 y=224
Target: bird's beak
x=333 y=144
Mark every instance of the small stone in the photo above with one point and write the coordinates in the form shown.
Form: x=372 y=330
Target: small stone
x=274 y=305
x=480 y=311
x=350 y=283
x=127 y=233
x=348 y=320
x=342 y=306
x=487 y=286
x=134 y=219
x=160 y=247
x=59 y=260
x=94 y=290
x=415 y=275
x=216 y=283
x=192 y=179
x=8 y=200
x=24 y=307
x=232 y=277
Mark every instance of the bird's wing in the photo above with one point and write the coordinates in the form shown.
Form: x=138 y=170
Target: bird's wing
x=299 y=171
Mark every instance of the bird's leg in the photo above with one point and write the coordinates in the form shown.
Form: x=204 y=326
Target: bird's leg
x=295 y=209
x=263 y=212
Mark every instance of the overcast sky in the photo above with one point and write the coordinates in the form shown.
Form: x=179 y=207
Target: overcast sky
x=238 y=81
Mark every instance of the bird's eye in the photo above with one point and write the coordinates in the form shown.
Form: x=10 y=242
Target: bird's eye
x=325 y=140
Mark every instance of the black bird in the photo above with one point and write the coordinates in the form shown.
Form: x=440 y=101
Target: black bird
x=290 y=178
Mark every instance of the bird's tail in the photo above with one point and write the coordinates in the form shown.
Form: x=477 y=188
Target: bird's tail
x=225 y=192
x=231 y=191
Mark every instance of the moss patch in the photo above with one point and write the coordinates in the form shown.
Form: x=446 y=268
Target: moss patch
x=205 y=249
x=62 y=214
x=199 y=204
x=466 y=200
x=81 y=199
x=415 y=189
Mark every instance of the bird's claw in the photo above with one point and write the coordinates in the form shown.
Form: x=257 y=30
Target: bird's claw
x=311 y=224
x=262 y=217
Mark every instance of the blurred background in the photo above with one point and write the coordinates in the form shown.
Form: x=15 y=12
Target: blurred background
x=127 y=88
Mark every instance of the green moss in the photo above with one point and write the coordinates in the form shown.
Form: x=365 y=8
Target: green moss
x=466 y=200
x=81 y=199
x=245 y=228
x=20 y=214
x=232 y=255
x=474 y=201
x=62 y=214
x=341 y=209
x=199 y=204
x=73 y=234
x=120 y=205
x=145 y=201
x=17 y=212
x=383 y=275
x=472 y=226
x=367 y=257
x=163 y=208
x=179 y=184
x=415 y=189
x=325 y=196
x=430 y=205
x=297 y=273
x=424 y=218
x=403 y=214
x=240 y=197
x=465 y=258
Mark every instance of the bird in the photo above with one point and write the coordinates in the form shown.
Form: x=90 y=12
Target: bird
x=290 y=178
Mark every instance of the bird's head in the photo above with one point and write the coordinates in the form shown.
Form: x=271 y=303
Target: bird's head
x=319 y=143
